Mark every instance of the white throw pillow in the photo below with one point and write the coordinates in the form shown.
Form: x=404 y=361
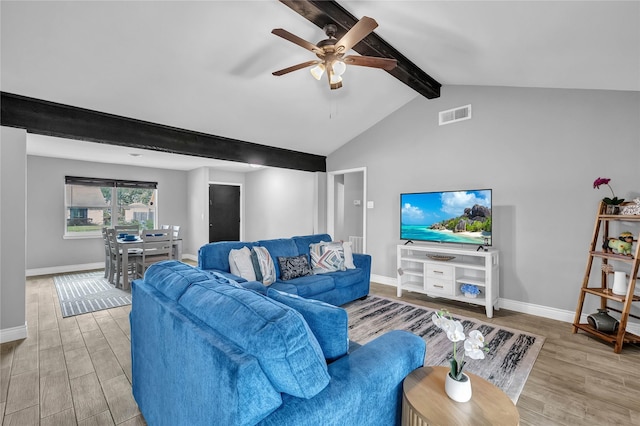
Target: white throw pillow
x=348 y=255
x=267 y=268
x=240 y=263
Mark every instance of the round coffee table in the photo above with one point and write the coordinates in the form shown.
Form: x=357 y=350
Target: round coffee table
x=425 y=403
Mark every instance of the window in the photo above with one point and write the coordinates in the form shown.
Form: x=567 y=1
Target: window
x=90 y=204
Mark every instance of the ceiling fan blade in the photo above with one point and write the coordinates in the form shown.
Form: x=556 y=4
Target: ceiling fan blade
x=371 y=61
x=295 y=67
x=360 y=30
x=297 y=40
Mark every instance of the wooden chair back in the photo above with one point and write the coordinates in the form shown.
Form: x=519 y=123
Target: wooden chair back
x=127 y=229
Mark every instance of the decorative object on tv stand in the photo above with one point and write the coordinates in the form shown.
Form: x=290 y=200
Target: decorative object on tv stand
x=621 y=245
x=471 y=291
x=457 y=384
x=603 y=322
x=613 y=204
x=440 y=257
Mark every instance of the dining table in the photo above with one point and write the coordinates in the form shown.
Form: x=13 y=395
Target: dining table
x=124 y=245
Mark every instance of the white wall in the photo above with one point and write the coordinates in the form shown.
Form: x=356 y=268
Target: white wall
x=280 y=203
x=47 y=250
x=198 y=209
x=538 y=149
x=13 y=184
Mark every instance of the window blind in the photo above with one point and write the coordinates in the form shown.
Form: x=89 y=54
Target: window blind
x=118 y=183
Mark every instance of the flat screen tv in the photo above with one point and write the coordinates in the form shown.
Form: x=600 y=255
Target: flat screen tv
x=460 y=217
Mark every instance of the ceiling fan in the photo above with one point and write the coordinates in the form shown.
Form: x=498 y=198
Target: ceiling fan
x=331 y=51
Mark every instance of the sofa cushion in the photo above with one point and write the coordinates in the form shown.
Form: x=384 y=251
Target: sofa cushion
x=284 y=247
x=329 y=324
x=276 y=335
x=216 y=255
x=303 y=242
x=347 y=278
x=307 y=286
x=172 y=277
x=240 y=263
x=265 y=262
x=294 y=267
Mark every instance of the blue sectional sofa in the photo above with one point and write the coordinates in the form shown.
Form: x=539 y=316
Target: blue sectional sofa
x=207 y=351
x=336 y=288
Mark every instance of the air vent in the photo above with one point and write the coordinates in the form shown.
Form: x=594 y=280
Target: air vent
x=453 y=115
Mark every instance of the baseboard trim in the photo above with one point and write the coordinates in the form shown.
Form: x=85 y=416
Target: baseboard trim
x=64 y=269
x=80 y=267
x=13 y=333
x=525 y=308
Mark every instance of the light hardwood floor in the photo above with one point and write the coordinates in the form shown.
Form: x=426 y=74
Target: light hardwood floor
x=77 y=370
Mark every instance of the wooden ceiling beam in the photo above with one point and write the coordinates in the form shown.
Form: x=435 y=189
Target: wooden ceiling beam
x=53 y=119
x=321 y=13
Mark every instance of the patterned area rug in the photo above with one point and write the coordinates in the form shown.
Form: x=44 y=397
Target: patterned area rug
x=507 y=365
x=88 y=292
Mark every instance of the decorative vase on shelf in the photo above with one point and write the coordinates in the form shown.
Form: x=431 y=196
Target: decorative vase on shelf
x=603 y=322
x=458 y=390
x=471 y=295
x=619 y=283
x=612 y=209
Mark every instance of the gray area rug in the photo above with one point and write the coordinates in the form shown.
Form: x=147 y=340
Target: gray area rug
x=507 y=365
x=88 y=292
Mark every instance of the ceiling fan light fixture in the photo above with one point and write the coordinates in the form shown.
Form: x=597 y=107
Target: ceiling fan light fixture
x=317 y=71
x=339 y=67
x=335 y=79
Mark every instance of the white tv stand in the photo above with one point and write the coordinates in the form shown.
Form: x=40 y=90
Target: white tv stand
x=439 y=278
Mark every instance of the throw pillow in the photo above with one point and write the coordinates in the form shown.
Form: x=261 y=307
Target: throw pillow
x=256 y=265
x=240 y=263
x=267 y=268
x=348 y=255
x=327 y=257
x=294 y=267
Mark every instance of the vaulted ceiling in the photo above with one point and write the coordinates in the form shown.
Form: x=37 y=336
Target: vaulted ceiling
x=206 y=65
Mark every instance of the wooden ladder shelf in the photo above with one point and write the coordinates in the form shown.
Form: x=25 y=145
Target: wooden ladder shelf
x=602 y=291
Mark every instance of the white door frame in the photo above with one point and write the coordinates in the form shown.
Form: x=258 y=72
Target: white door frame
x=331 y=205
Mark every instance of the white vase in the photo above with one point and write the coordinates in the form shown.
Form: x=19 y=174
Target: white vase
x=619 y=283
x=459 y=391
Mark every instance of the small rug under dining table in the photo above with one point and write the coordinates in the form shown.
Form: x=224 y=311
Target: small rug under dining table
x=507 y=364
x=85 y=292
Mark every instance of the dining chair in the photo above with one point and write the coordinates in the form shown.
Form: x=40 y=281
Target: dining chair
x=107 y=253
x=115 y=257
x=175 y=228
x=157 y=245
x=127 y=229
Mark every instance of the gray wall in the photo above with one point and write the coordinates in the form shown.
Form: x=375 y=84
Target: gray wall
x=280 y=203
x=13 y=183
x=538 y=149
x=47 y=250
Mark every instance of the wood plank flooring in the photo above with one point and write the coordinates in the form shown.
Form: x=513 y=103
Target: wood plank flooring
x=77 y=370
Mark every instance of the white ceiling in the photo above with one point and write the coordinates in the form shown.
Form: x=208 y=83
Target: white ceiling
x=206 y=65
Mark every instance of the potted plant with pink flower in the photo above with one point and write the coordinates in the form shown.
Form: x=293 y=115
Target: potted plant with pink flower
x=613 y=204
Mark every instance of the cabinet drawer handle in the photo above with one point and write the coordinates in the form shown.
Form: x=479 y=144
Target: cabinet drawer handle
x=438 y=272
x=438 y=286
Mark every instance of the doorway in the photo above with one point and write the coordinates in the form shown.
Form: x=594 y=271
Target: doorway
x=224 y=212
x=347 y=206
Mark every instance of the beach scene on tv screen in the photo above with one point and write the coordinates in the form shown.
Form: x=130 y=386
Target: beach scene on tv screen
x=449 y=217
